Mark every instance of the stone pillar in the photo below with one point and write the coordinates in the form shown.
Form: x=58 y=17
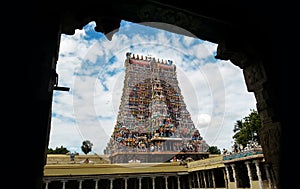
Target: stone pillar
x=268 y=175
x=64 y=184
x=204 y=179
x=193 y=179
x=198 y=181
x=213 y=178
x=234 y=176
x=80 y=184
x=257 y=81
x=166 y=182
x=270 y=132
x=249 y=173
x=46 y=184
x=228 y=176
x=258 y=172
x=225 y=178
x=208 y=179
x=178 y=182
x=125 y=180
x=153 y=182
x=111 y=183
x=140 y=182
x=96 y=183
x=39 y=83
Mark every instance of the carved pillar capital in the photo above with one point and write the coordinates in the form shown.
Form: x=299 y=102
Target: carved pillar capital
x=233 y=53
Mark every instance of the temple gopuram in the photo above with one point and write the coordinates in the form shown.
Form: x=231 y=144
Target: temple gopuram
x=153 y=124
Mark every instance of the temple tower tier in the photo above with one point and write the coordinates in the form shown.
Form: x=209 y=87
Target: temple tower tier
x=153 y=123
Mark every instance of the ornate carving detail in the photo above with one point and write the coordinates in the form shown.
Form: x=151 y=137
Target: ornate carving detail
x=198 y=26
x=236 y=56
x=270 y=140
x=151 y=12
x=267 y=115
x=261 y=97
x=264 y=105
x=255 y=76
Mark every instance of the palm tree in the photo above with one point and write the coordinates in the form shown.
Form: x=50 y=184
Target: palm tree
x=247 y=129
x=238 y=126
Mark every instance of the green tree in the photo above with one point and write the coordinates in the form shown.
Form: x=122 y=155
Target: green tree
x=86 y=146
x=247 y=129
x=58 y=150
x=214 y=150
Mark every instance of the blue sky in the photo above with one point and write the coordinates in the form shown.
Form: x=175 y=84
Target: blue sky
x=93 y=68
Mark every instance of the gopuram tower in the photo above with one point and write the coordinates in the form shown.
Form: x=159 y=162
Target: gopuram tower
x=153 y=123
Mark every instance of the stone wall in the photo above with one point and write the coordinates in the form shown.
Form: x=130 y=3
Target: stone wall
x=66 y=159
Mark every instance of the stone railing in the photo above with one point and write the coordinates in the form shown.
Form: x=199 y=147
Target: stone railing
x=78 y=159
x=242 y=154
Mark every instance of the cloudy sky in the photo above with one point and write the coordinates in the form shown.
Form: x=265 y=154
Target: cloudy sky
x=92 y=66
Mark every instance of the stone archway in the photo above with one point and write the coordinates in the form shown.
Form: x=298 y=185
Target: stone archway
x=242 y=32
